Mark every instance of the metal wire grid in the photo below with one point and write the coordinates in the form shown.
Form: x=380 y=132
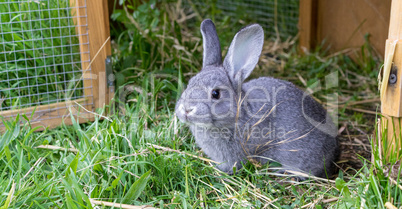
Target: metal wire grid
x=278 y=17
x=40 y=57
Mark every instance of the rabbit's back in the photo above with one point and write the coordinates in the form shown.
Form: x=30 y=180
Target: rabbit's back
x=292 y=128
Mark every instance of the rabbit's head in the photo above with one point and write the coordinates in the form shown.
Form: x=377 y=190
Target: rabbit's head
x=211 y=97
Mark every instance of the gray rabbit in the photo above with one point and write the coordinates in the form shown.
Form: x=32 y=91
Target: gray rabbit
x=263 y=120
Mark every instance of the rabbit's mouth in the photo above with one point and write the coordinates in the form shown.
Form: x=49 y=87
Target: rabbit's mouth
x=195 y=121
x=205 y=122
x=192 y=114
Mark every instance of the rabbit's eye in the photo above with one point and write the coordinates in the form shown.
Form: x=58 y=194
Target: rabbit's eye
x=216 y=94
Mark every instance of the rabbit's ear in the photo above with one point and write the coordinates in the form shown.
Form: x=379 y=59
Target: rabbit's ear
x=212 y=48
x=244 y=52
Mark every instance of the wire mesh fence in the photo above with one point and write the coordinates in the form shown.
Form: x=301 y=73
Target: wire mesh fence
x=40 y=54
x=278 y=17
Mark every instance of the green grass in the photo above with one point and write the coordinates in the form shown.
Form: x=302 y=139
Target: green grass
x=39 y=53
x=142 y=155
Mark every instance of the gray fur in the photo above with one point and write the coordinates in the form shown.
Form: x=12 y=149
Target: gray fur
x=263 y=119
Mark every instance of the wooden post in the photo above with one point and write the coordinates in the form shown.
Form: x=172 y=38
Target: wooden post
x=80 y=16
x=307 y=24
x=98 y=31
x=391 y=89
x=93 y=19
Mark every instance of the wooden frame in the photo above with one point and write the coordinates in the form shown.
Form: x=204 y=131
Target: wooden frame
x=307 y=24
x=92 y=20
x=391 y=91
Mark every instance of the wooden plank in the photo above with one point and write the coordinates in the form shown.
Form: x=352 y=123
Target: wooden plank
x=307 y=24
x=395 y=26
x=342 y=25
x=391 y=103
x=93 y=27
x=28 y=110
x=98 y=30
x=52 y=115
x=391 y=99
x=80 y=18
x=106 y=10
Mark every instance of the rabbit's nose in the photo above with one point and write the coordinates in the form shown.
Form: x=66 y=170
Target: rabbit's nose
x=189 y=110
